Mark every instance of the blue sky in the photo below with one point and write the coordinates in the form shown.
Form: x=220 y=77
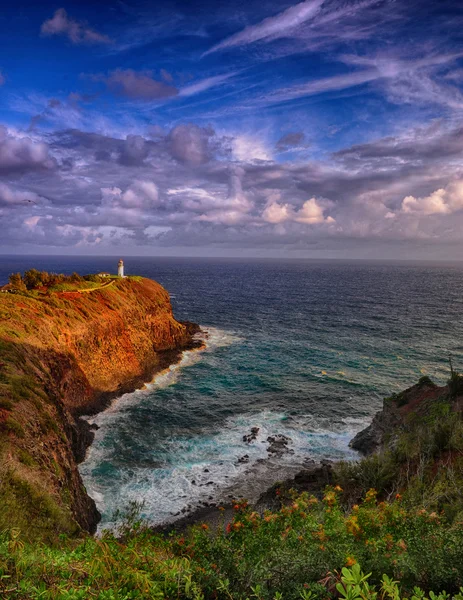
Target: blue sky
x=324 y=128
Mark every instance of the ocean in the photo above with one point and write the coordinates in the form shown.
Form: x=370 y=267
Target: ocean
x=302 y=349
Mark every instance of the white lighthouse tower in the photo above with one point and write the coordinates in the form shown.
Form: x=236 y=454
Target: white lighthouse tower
x=120 y=268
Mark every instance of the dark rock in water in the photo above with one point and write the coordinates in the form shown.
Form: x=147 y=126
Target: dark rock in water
x=251 y=437
x=278 y=445
x=244 y=459
x=94 y=426
x=206 y=471
x=193 y=482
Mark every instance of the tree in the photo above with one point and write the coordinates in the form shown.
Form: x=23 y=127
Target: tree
x=17 y=282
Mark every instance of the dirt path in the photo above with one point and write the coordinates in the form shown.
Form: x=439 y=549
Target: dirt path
x=88 y=290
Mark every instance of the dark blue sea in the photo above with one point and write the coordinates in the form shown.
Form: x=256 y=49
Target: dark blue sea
x=299 y=348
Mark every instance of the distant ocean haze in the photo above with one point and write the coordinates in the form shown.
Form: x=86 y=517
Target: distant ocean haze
x=296 y=348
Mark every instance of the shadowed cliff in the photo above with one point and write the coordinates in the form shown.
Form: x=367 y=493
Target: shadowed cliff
x=63 y=355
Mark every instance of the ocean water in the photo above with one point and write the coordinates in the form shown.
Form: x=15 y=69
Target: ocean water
x=296 y=348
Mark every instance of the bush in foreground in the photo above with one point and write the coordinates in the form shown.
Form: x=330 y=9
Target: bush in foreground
x=309 y=549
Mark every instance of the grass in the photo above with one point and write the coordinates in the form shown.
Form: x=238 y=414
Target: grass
x=309 y=549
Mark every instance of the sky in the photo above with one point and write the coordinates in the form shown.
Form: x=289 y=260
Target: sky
x=320 y=129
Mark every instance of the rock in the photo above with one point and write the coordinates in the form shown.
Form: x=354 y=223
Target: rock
x=251 y=437
x=244 y=459
x=388 y=423
x=278 y=445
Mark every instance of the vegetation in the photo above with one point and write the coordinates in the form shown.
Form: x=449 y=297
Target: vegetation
x=308 y=549
x=55 y=282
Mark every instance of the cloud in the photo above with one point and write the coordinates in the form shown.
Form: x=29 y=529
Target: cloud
x=138 y=85
x=290 y=141
x=310 y=213
x=272 y=27
x=443 y=201
x=189 y=144
x=76 y=31
x=406 y=80
x=247 y=148
x=11 y=198
x=205 y=84
x=134 y=151
x=141 y=195
x=21 y=154
x=434 y=142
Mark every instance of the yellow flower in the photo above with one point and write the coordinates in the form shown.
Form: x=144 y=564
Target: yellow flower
x=350 y=561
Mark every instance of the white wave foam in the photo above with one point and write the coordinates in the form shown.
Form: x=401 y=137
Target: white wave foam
x=206 y=467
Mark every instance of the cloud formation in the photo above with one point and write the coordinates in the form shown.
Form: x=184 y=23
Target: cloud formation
x=272 y=27
x=21 y=154
x=77 y=32
x=443 y=201
x=310 y=213
x=138 y=85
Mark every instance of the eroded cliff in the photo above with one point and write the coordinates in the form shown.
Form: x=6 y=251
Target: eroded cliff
x=63 y=355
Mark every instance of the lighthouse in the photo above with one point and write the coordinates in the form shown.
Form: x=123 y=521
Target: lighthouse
x=120 y=268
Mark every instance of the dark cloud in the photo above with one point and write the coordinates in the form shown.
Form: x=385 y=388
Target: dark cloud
x=421 y=145
x=134 y=151
x=189 y=144
x=290 y=140
x=21 y=154
x=77 y=32
x=138 y=85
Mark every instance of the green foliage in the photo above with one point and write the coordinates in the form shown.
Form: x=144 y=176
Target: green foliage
x=308 y=550
x=455 y=384
x=17 y=282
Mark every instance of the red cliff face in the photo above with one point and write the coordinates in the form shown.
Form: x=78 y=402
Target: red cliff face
x=63 y=355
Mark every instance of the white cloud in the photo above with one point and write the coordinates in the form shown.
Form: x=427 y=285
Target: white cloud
x=247 y=149
x=204 y=84
x=141 y=195
x=443 y=201
x=311 y=213
x=272 y=27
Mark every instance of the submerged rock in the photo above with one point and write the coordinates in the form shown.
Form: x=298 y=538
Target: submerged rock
x=251 y=437
x=278 y=445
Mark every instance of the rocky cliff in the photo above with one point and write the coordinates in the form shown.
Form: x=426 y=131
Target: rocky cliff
x=62 y=355
x=399 y=414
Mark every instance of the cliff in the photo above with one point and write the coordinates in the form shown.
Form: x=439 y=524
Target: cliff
x=62 y=355
x=400 y=414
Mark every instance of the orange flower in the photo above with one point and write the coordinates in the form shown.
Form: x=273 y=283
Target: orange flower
x=350 y=561
x=338 y=488
x=398 y=497
x=204 y=526
x=402 y=545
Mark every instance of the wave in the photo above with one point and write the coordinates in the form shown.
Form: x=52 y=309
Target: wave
x=191 y=471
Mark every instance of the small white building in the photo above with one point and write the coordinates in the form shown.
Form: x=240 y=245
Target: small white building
x=120 y=268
